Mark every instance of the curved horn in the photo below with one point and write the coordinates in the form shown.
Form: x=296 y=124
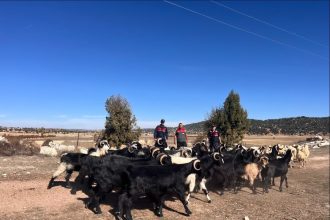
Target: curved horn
x=161 y=159
x=222 y=149
x=130 y=149
x=151 y=148
x=196 y=163
x=159 y=155
x=187 y=152
x=160 y=141
x=154 y=151
x=216 y=156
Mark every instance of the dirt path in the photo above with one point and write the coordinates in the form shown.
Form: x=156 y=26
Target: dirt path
x=23 y=195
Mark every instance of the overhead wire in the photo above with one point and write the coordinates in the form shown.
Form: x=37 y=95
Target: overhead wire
x=267 y=23
x=245 y=30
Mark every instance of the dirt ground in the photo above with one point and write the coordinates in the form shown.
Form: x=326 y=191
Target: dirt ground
x=24 y=195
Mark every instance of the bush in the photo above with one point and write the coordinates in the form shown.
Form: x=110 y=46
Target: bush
x=46 y=142
x=18 y=146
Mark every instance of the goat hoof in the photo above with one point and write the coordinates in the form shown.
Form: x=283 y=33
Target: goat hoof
x=188 y=212
x=209 y=201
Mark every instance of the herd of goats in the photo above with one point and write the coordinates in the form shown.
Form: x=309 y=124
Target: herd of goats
x=137 y=171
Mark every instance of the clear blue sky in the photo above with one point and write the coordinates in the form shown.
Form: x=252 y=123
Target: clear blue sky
x=59 y=61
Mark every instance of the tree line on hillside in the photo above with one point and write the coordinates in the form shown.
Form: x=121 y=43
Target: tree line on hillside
x=287 y=126
x=43 y=130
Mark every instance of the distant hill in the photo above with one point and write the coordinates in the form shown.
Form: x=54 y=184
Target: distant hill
x=288 y=126
x=298 y=125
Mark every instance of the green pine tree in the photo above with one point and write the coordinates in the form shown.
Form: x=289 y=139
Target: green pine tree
x=120 y=125
x=231 y=120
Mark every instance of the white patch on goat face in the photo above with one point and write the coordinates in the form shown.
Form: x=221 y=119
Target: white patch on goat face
x=69 y=166
x=106 y=148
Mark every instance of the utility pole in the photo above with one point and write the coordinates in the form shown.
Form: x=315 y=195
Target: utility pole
x=77 y=140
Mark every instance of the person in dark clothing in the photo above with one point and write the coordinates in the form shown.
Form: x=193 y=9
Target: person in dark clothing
x=161 y=133
x=214 y=139
x=180 y=137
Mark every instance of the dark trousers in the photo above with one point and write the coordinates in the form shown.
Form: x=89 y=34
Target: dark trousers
x=181 y=144
x=214 y=146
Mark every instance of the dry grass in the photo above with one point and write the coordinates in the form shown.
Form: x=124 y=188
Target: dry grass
x=17 y=145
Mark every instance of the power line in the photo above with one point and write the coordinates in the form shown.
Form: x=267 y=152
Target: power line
x=269 y=24
x=246 y=31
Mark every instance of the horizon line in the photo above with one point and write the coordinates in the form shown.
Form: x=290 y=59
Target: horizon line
x=98 y=129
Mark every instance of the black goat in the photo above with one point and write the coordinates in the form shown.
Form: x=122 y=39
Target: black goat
x=70 y=162
x=107 y=173
x=277 y=168
x=156 y=182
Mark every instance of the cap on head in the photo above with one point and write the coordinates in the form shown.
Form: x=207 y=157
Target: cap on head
x=162 y=121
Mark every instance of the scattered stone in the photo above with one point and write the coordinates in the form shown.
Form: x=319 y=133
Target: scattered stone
x=28 y=172
x=4 y=175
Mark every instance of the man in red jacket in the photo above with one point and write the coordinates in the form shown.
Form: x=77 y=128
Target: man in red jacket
x=214 y=139
x=180 y=137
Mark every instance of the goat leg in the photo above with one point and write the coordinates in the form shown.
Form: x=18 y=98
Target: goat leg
x=206 y=192
x=286 y=182
x=67 y=178
x=121 y=201
x=282 y=179
x=181 y=193
x=51 y=182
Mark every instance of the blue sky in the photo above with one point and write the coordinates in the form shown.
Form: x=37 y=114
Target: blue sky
x=59 y=61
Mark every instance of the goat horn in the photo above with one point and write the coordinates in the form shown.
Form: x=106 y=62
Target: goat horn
x=154 y=151
x=159 y=155
x=195 y=163
x=216 y=156
x=222 y=149
x=160 y=141
x=130 y=149
x=161 y=159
